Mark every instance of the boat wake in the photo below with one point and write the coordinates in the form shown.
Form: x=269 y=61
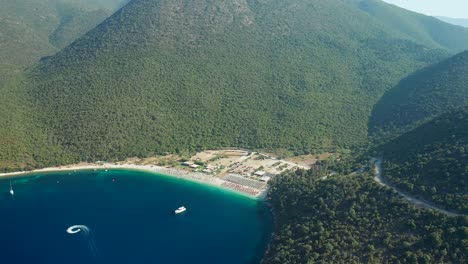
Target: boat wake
x=87 y=235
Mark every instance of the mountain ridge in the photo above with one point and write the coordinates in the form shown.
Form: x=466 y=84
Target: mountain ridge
x=454 y=21
x=164 y=76
x=421 y=96
x=417 y=27
x=31 y=29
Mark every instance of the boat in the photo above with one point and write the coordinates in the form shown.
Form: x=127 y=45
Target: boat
x=180 y=210
x=12 y=192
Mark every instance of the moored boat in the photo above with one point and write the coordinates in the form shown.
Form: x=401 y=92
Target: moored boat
x=180 y=210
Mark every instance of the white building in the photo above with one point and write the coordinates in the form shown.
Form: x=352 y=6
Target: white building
x=265 y=178
x=259 y=173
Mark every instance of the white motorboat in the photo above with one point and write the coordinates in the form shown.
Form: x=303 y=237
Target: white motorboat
x=12 y=192
x=180 y=210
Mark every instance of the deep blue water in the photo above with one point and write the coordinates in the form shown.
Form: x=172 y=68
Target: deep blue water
x=131 y=220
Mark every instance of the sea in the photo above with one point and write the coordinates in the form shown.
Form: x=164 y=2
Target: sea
x=127 y=216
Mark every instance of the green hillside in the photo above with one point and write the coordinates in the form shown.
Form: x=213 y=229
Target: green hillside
x=424 y=94
x=31 y=29
x=423 y=29
x=160 y=76
x=431 y=161
x=24 y=143
x=351 y=219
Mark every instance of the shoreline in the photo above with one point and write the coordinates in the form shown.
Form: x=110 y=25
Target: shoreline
x=164 y=171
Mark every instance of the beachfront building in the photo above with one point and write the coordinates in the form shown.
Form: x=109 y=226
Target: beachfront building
x=265 y=178
x=260 y=173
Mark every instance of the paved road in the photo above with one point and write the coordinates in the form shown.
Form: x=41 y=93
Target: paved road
x=378 y=178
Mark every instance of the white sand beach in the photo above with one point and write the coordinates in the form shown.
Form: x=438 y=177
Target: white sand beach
x=174 y=172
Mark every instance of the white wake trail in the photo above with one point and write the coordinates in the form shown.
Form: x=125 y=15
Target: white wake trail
x=78 y=228
x=87 y=234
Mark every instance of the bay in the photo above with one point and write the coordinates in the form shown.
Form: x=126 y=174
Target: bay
x=130 y=218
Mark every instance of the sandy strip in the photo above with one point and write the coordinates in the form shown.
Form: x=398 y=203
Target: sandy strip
x=174 y=172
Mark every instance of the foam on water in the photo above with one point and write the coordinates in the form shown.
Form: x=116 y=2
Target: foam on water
x=87 y=235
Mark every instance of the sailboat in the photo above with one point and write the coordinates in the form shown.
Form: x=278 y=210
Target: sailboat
x=12 y=192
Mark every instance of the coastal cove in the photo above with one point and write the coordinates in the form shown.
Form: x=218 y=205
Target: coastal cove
x=127 y=214
x=157 y=170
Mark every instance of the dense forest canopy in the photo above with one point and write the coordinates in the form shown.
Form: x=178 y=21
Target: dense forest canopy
x=421 y=96
x=432 y=161
x=31 y=29
x=423 y=29
x=352 y=219
x=163 y=76
x=172 y=76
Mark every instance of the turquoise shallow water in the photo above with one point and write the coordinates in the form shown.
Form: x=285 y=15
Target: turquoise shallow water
x=130 y=219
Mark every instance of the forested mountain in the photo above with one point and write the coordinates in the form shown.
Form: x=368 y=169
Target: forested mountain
x=432 y=161
x=455 y=21
x=31 y=29
x=423 y=29
x=352 y=219
x=427 y=93
x=162 y=76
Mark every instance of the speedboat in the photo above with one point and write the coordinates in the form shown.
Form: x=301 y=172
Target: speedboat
x=180 y=210
x=12 y=192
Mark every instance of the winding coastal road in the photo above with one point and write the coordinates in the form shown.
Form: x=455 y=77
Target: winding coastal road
x=379 y=179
